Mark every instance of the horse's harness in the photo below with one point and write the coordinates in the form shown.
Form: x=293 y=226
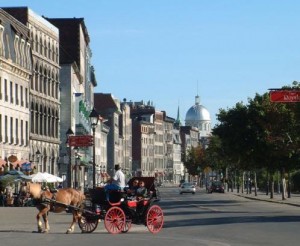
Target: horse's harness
x=43 y=199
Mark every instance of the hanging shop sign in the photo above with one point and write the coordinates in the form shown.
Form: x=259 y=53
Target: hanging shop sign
x=81 y=141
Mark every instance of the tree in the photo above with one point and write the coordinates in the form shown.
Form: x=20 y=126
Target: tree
x=195 y=159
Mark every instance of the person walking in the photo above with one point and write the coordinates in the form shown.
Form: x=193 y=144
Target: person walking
x=119 y=177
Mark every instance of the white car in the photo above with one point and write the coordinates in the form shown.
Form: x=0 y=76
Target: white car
x=187 y=188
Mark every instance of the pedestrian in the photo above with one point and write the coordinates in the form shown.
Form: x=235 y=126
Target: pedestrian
x=9 y=195
x=119 y=177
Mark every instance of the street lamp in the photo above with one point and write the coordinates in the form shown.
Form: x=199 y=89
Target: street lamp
x=199 y=177
x=94 y=117
x=77 y=158
x=38 y=154
x=69 y=169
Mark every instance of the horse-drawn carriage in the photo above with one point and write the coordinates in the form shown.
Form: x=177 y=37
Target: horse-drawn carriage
x=119 y=211
x=115 y=208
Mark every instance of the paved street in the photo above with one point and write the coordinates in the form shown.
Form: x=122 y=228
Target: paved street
x=200 y=219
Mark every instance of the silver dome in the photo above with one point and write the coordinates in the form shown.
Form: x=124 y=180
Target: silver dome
x=197 y=113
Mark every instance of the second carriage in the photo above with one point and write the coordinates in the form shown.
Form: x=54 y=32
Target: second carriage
x=119 y=212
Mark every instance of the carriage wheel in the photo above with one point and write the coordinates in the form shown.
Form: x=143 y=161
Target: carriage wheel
x=115 y=220
x=155 y=219
x=88 y=223
x=127 y=226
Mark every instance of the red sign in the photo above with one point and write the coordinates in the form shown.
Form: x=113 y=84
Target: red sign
x=284 y=96
x=81 y=141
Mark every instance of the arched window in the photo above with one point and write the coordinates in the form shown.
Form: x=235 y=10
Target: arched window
x=41 y=120
x=41 y=45
x=53 y=53
x=41 y=79
x=36 y=122
x=45 y=122
x=36 y=42
x=49 y=50
x=45 y=82
x=32 y=118
x=49 y=117
x=45 y=48
x=1 y=41
x=49 y=83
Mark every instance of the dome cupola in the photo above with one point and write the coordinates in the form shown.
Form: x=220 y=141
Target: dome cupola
x=198 y=116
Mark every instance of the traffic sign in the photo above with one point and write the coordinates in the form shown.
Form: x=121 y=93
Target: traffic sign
x=284 y=96
x=81 y=141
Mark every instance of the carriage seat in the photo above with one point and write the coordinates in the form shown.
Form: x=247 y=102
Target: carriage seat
x=134 y=203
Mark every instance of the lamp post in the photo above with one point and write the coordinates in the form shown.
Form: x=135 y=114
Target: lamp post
x=77 y=158
x=69 y=169
x=199 y=177
x=94 y=117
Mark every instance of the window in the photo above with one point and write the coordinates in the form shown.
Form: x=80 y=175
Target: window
x=22 y=96
x=26 y=97
x=5 y=90
x=1 y=41
x=26 y=134
x=22 y=133
x=16 y=94
x=0 y=127
x=11 y=92
x=17 y=131
x=5 y=129
x=11 y=130
x=0 y=88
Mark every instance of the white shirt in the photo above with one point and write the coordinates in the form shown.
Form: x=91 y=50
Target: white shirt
x=119 y=178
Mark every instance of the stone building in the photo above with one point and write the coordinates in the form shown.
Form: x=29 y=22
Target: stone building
x=126 y=136
x=15 y=80
x=109 y=108
x=168 y=147
x=44 y=97
x=77 y=83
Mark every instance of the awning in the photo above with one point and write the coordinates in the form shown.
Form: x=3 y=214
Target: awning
x=18 y=163
x=27 y=166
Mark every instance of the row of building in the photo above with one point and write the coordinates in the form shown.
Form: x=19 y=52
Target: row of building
x=47 y=94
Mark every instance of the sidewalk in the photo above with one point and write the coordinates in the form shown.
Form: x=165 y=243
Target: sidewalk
x=294 y=200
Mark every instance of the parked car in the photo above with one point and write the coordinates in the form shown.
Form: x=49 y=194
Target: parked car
x=187 y=188
x=216 y=186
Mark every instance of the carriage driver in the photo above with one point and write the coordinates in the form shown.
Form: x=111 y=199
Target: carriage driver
x=119 y=177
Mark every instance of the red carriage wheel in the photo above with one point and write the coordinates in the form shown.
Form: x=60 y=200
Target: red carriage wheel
x=115 y=220
x=155 y=219
x=127 y=226
x=88 y=223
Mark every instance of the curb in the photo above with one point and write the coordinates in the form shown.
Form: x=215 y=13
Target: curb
x=268 y=200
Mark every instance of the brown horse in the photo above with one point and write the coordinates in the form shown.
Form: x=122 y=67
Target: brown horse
x=55 y=202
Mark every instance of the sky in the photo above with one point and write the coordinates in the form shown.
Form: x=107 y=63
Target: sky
x=169 y=51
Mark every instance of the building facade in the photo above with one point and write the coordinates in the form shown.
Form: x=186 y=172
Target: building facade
x=77 y=89
x=15 y=79
x=44 y=95
x=109 y=108
x=126 y=136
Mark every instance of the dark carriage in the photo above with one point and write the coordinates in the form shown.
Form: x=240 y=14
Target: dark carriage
x=119 y=211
